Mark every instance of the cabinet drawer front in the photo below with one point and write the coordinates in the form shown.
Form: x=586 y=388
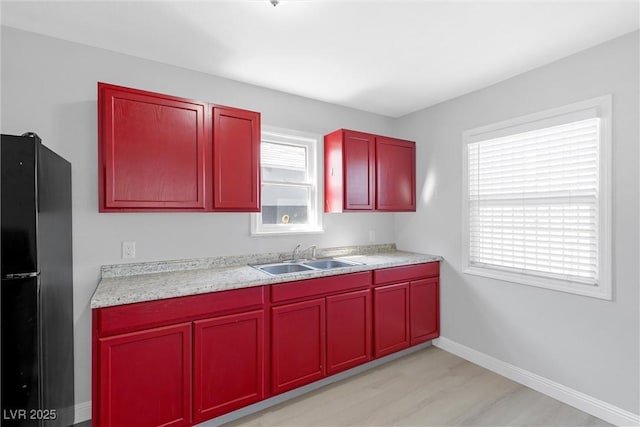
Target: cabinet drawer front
x=162 y=312
x=320 y=286
x=404 y=273
x=145 y=378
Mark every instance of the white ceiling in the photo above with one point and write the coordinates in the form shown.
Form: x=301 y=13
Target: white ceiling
x=389 y=57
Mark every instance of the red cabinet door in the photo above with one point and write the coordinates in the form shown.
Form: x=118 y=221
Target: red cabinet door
x=395 y=174
x=359 y=170
x=390 y=318
x=348 y=330
x=152 y=151
x=236 y=156
x=297 y=344
x=228 y=371
x=425 y=323
x=145 y=378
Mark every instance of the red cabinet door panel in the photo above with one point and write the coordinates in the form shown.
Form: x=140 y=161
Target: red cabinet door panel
x=236 y=154
x=228 y=371
x=152 y=151
x=297 y=344
x=390 y=319
x=348 y=330
x=395 y=174
x=145 y=378
x=333 y=172
x=359 y=170
x=425 y=323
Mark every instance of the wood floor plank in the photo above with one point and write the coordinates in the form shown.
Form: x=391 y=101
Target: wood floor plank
x=427 y=388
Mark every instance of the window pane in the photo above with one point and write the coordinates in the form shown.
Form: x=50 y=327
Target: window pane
x=533 y=202
x=283 y=162
x=283 y=175
x=285 y=204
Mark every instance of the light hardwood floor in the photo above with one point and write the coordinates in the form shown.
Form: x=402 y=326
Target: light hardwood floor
x=427 y=388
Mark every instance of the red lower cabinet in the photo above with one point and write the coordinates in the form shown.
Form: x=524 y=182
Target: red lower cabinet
x=183 y=361
x=297 y=344
x=228 y=371
x=424 y=310
x=391 y=319
x=348 y=330
x=146 y=378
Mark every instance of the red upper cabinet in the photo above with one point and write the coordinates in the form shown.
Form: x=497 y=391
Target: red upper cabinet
x=152 y=151
x=349 y=171
x=236 y=155
x=365 y=172
x=161 y=153
x=395 y=174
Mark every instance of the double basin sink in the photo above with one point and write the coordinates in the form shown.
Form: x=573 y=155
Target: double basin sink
x=303 y=265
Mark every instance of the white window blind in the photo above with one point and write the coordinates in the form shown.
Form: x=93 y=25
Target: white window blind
x=283 y=156
x=533 y=202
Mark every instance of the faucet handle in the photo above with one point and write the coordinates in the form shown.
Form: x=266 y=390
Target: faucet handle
x=313 y=249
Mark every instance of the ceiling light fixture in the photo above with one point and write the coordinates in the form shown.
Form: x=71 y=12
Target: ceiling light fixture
x=274 y=2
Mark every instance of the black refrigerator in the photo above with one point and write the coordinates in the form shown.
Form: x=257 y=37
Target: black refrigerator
x=36 y=296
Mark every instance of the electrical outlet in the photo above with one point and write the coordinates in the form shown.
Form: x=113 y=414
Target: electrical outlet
x=372 y=236
x=128 y=249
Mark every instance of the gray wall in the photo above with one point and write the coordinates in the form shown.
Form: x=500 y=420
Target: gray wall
x=587 y=344
x=49 y=87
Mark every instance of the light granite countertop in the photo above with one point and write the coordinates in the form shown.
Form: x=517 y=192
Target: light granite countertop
x=131 y=283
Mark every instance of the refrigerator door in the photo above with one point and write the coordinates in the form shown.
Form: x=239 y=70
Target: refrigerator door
x=19 y=342
x=19 y=206
x=55 y=262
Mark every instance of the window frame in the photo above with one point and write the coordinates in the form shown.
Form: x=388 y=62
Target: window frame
x=600 y=107
x=311 y=142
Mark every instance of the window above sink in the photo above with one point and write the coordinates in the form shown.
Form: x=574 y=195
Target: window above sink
x=289 y=180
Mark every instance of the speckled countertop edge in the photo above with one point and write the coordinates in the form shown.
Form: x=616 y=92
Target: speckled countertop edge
x=134 y=269
x=158 y=284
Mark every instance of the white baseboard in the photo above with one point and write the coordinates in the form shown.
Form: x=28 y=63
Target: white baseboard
x=577 y=399
x=82 y=411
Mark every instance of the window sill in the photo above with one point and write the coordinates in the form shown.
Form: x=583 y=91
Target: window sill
x=600 y=292
x=286 y=232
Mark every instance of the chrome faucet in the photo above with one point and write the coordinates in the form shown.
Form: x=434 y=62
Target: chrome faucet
x=314 y=249
x=294 y=256
x=296 y=252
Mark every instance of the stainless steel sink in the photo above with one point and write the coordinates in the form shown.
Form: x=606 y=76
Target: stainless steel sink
x=283 y=268
x=303 y=265
x=324 y=264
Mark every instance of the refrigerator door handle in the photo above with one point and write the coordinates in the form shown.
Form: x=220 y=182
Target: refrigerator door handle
x=17 y=276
